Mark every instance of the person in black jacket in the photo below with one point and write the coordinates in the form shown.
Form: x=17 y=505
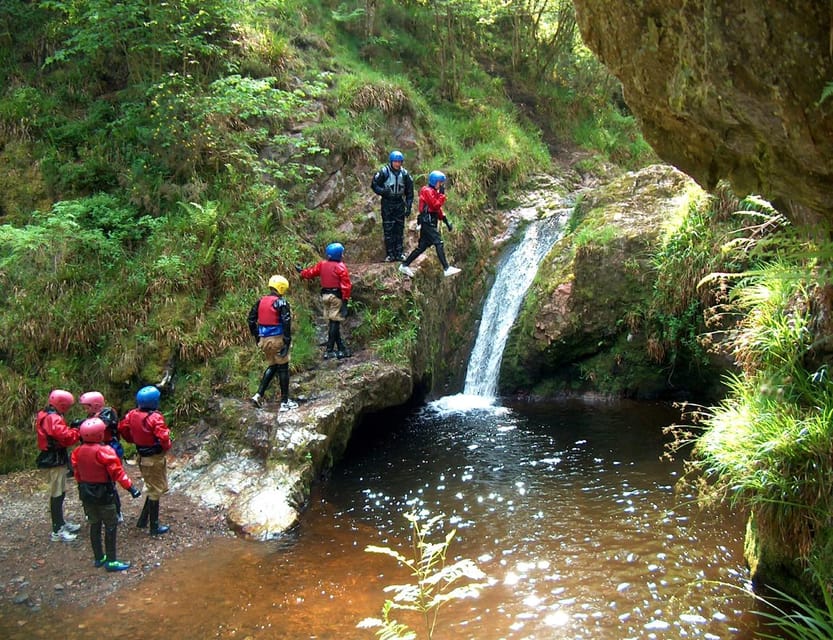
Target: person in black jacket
x=396 y=187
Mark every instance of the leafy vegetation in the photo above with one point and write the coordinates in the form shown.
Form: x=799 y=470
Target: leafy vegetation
x=436 y=582
x=158 y=160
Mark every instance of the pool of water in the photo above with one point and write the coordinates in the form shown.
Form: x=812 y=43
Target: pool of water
x=568 y=508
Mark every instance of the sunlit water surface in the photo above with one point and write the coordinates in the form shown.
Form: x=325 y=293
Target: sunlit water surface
x=568 y=508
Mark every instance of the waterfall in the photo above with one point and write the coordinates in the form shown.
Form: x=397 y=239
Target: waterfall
x=515 y=273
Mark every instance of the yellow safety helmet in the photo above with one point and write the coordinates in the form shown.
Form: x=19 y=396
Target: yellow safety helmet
x=279 y=284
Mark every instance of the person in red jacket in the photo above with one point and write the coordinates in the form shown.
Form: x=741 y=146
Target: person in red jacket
x=431 y=201
x=335 y=293
x=97 y=469
x=93 y=404
x=54 y=436
x=145 y=427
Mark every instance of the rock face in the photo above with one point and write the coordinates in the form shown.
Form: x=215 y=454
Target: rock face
x=728 y=89
x=577 y=330
x=257 y=465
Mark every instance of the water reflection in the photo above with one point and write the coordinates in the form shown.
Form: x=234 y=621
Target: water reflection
x=568 y=508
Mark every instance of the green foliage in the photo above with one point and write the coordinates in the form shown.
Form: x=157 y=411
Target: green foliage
x=800 y=617
x=435 y=582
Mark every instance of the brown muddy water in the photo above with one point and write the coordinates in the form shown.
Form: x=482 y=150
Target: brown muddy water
x=568 y=508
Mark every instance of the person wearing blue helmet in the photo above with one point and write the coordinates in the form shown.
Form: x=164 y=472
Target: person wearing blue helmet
x=396 y=187
x=145 y=427
x=431 y=201
x=335 y=293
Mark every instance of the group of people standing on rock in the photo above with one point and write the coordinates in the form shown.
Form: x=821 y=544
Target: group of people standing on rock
x=395 y=186
x=270 y=318
x=96 y=465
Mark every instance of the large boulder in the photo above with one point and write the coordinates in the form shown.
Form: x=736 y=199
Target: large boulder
x=728 y=89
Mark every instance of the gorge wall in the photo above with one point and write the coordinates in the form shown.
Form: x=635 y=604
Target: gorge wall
x=728 y=90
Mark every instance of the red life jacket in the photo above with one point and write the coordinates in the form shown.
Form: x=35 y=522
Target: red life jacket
x=329 y=275
x=87 y=467
x=267 y=314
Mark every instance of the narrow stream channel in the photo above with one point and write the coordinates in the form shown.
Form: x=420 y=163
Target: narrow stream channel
x=568 y=508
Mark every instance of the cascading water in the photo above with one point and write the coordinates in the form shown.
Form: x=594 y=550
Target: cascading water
x=515 y=273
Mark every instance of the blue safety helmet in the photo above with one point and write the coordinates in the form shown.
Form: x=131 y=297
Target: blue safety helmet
x=396 y=156
x=334 y=251
x=434 y=177
x=148 y=398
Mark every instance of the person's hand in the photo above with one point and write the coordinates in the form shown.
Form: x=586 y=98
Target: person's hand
x=408 y=212
x=284 y=349
x=298 y=268
x=343 y=311
x=441 y=188
x=448 y=224
x=257 y=339
x=134 y=492
x=75 y=424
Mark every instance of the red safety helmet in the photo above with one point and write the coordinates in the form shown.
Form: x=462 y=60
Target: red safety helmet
x=93 y=399
x=92 y=430
x=61 y=400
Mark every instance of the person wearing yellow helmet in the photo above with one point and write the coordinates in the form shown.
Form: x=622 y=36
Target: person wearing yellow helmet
x=270 y=323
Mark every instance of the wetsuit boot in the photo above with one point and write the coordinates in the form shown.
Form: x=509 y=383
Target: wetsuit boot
x=142 y=522
x=332 y=332
x=111 y=564
x=95 y=542
x=156 y=529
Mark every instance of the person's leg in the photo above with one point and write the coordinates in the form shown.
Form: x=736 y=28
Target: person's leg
x=388 y=224
x=266 y=380
x=283 y=379
x=142 y=522
x=95 y=534
x=108 y=513
x=398 y=232
x=332 y=331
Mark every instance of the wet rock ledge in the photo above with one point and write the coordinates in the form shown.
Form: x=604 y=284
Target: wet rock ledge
x=257 y=465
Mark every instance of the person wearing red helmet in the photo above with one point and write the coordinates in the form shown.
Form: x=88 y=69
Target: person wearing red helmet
x=94 y=405
x=97 y=470
x=145 y=427
x=54 y=436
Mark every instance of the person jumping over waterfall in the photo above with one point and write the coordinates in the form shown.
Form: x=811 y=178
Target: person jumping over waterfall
x=431 y=201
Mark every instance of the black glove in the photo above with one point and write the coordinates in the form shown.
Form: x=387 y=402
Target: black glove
x=298 y=268
x=75 y=424
x=441 y=188
x=257 y=338
x=134 y=492
x=343 y=311
x=408 y=212
x=285 y=349
x=448 y=224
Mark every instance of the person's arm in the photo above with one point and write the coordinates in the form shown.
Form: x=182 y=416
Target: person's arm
x=252 y=320
x=378 y=182
x=108 y=458
x=124 y=427
x=409 y=193
x=285 y=314
x=61 y=432
x=344 y=282
x=160 y=430
x=311 y=272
